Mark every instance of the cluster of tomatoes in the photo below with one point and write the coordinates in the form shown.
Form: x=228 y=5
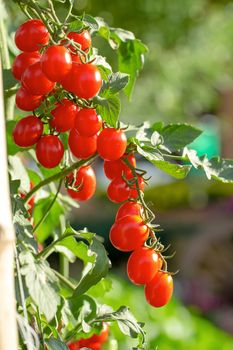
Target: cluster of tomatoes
x=95 y=342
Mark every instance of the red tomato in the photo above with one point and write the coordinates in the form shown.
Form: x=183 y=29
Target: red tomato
x=31 y=35
x=31 y=202
x=118 y=191
x=84 y=80
x=88 y=122
x=83 y=38
x=111 y=144
x=102 y=337
x=27 y=102
x=142 y=265
x=85 y=180
x=22 y=61
x=28 y=131
x=81 y=146
x=49 y=151
x=159 y=290
x=64 y=115
x=77 y=58
x=116 y=168
x=74 y=345
x=134 y=192
x=128 y=208
x=35 y=81
x=85 y=343
x=129 y=233
x=56 y=62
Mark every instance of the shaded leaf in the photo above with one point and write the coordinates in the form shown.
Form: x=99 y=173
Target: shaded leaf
x=108 y=108
x=56 y=344
x=116 y=82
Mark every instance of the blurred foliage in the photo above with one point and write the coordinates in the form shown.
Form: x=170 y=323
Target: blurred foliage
x=172 y=327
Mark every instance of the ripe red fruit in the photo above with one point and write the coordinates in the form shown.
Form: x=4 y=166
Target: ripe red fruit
x=83 y=38
x=111 y=144
x=64 y=115
x=142 y=265
x=128 y=208
x=27 y=102
x=31 y=35
x=56 y=62
x=85 y=181
x=87 y=122
x=81 y=146
x=22 y=61
x=129 y=233
x=118 y=191
x=77 y=59
x=116 y=168
x=84 y=80
x=49 y=151
x=141 y=183
x=31 y=202
x=35 y=81
x=85 y=343
x=74 y=345
x=102 y=337
x=27 y=131
x=159 y=290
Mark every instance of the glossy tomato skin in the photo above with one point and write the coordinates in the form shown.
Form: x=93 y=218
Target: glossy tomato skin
x=35 y=81
x=27 y=131
x=129 y=233
x=118 y=191
x=116 y=168
x=27 y=102
x=141 y=182
x=84 y=80
x=159 y=290
x=49 y=151
x=81 y=146
x=85 y=180
x=142 y=266
x=31 y=35
x=129 y=208
x=88 y=122
x=22 y=61
x=111 y=144
x=83 y=38
x=56 y=62
x=64 y=115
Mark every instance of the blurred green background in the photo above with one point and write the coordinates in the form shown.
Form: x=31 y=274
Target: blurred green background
x=188 y=77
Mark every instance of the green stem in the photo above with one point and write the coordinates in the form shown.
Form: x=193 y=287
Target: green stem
x=49 y=207
x=71 y=3
x=64 y=280
x=45 y=253
x=58 y=176
x=64 y=262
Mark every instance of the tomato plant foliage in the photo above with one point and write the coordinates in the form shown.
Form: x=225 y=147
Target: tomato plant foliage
x=58 y=308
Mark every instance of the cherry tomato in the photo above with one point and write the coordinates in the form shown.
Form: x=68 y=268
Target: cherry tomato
x=128 y=208
x=116 y=168
x=28 y=131
x=74 y=345
x=142 y=265
x=64 y=115
x=118 y=191
x=56 y=62
x=102 y=337
x=49 y=151
x=129 y=233
x=111 y=144
x=83 y=38
x=81 y=146
x=35 y=81
x=27 y=102
x=87 y=122
x=85 y=343
x=85 y=181
x=22 y=61
x=159 y=290
x=31 y=35
x=84 y=80
x=134 y=192
x=77 y=59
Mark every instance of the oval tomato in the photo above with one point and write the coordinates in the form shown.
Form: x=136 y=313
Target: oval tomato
x=87 y=122
x=22 y=61
x=129 y=208
x=28 y=131
x=159 y=290
x=118 y=191
x=85 y=181
x=64 y=115
x=56 y=62
x=129 y=233
x=111 y=144
x=81 y=146
x=35 y=81
x=142 y=265
x=118 y=167
x=49 y=151
x=83 y=38
x=27 y=102
x=31 y=35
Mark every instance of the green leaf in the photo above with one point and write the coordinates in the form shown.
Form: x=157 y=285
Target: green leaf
x=75 y=25
x=11 y=146
x=42 y=284
x=55 y=344
x=119 y=34
x=103 y=65
x=9 y=81
x=108 y=108
x=116 y=82
x=18 y=171
x=90 y=22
